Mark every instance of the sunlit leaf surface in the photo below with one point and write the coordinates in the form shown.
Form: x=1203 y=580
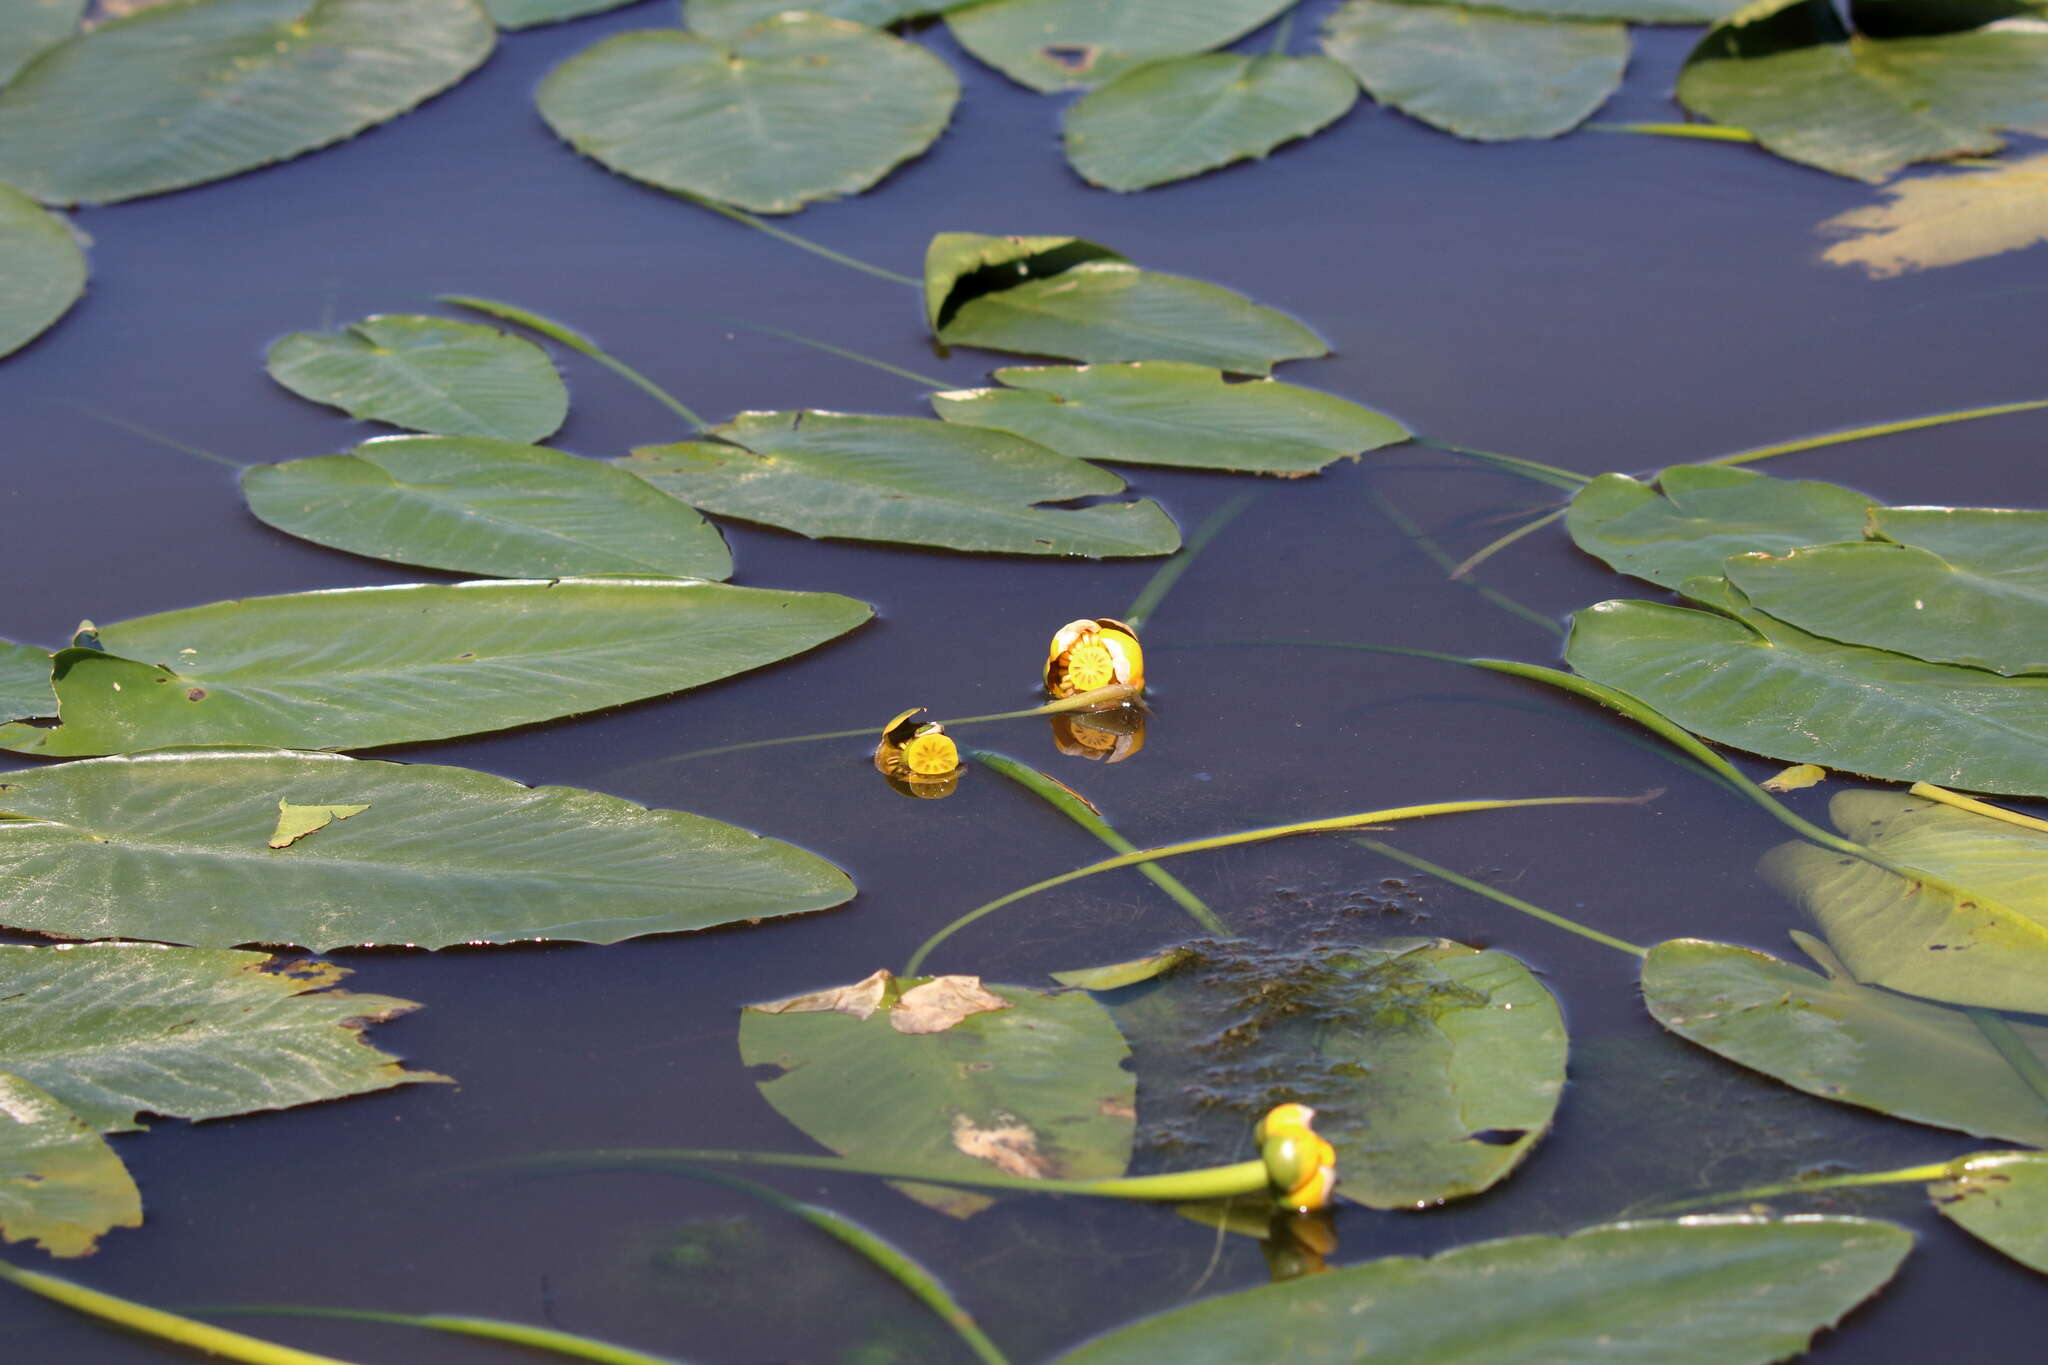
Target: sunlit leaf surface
x=176 y=845
x=1633 y=11
x=798 y=109
x=1479 y=73
x=1831 y=1037
x=1975 y=935
x=428 y=374
x=475 y=505
x=907 y=480
x=1697 y=515
x=1695 y=1291
x=61 y=1186
x=27 y=27
x=1036 y=1089
x=1918 y=80
x=177 y=95
x=2001 y=1198
x=1944 y=219
x=42 y=271
x=1059 y=44
x=356 y=667
x=960 y=266
x=725 y=20
x=1185 y=115
x=1433 y=1068
x=530 y=13
x=25 y=682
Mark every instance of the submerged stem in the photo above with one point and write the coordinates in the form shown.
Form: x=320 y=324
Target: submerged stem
x=1905 y=1175
x=1570 y=480
x=491 y=1329
x=2025 y=1062
x=1423 y=541
x=157 y=1323
x=1974 y=806
x=1493 y=893
x=739 y=215
x=844 y=353
x=576 y=341
x=1492 y=548
x=149 y=434
x=1168 y=574
x=1881 y=429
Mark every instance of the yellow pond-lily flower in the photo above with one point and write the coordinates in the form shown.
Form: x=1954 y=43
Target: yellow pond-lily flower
x=918 y=758
x=1086 y=655
x=1303 y=1167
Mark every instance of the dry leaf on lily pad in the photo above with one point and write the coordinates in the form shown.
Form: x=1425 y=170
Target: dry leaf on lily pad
x=942 y=1002
x=296 y=822
x=858 y=1001
x=1944 y=219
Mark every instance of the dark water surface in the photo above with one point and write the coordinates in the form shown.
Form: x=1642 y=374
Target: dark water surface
x=1600 y=302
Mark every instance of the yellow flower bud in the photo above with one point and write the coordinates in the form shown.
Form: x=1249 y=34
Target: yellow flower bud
x=1302 y=1166
x=1086 y=655
x=918 y=758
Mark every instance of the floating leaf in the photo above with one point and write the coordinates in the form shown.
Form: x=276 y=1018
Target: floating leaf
x=1693 y=1291
x=1433 y=1068
x=1842 y=1041
x=1916 y=80
x=725 y=20
x=1060 y=44
x=906 y=480
x=798 y=109
x=28 y=27
x=531 y=13
x=1973 y=931
x=2001 y=1198
x=1699 y=514
x=113 y=1030
x=1631 y=11
x=1117 y=974
x=476 y=505
x=1978 y=595
x=61 y=1186
x=25 y=682
x=1479 y=73
x=1185 y=115
x=1746 y=679
x=177 y=95
x=960 y=266
x=352 y=668
x=1798 y=777
x=296 y=822
x=1166 y=412
x=1944 y=219
x=42 y=271
x=428 y=374
x=1036 y=1089
x=170 y=845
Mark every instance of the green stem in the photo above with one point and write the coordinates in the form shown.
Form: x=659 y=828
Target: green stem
x=157 y=1323
x=1423 y=541
x=576 y=341
x=1473 y=561
x=2025 y=1062
x=1250 y=836
x=1881 y=429
x=1161 y=582
x=1905 y=1175
x=1492 y=893
x=492 y=1329
x=841 y=351
x=147 y=434
x=1567 y=479
x=1713 y=132
x=1971 y=804
x=1076 y=808
x=784 y=235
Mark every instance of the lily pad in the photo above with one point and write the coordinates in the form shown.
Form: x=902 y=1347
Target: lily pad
x=1944 y=218
x=427 y=374
x=1691 y=1291
x=960 y=266
x=1831 y=1037
x=481 y=506
x=1035 y=1089
x=1699 y=514
x=61 y=1186
x=42 y=270
x=1743 y=678
x=725 y=20
x=352 y=668
x=175 y=845
x=1165 y=412
x=1062 y=44
x=1914 y=80
x=1630 y=11
x=1175 y=118
x=1433 y=1068
x=797 y=109
x=532 y=13
x=1480 y=73
x=906 y=480
x=25 y=682
x=1976 y=595
x=1970 y=926
x=28 y=27
x=178 y=95
x=2001 y=1198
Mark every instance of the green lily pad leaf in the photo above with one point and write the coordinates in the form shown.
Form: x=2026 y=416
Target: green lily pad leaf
x=1117 y=974
x=960 y=266
x=725 y=20
x=1919 y=80
x=1971 y=927
x=511 y=14
x=797 y=109
x=1831 y=1037
x=1691 y=1291
x=171 y=846
x=1062 y=44
x=61 y=1186
x=193 y=1033
x=352 y=668
x=906 y=480
x=1700 y=514
x=42 y=270
x=1629 y=11
x=1033 y=1089
x=1165 y=412
x=427 y=374
x=296 y=822
x=28 y=27
x=481 y=506
x=1480 y=73
x=25 y=682
x=2001 y=1198
x=1433 y=1068
x=1952 y=585
x=178 y=95
x=1179 y=117
x=1748 y=680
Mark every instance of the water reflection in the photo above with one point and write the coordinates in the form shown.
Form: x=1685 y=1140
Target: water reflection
x=1104 y=736
x=917 y=758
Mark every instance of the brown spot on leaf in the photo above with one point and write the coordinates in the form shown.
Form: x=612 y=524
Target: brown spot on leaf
x=195 y=694
x=1009 y=1145
x=942 y=1002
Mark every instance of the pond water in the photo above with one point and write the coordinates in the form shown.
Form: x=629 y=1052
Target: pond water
x=1600 y=302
